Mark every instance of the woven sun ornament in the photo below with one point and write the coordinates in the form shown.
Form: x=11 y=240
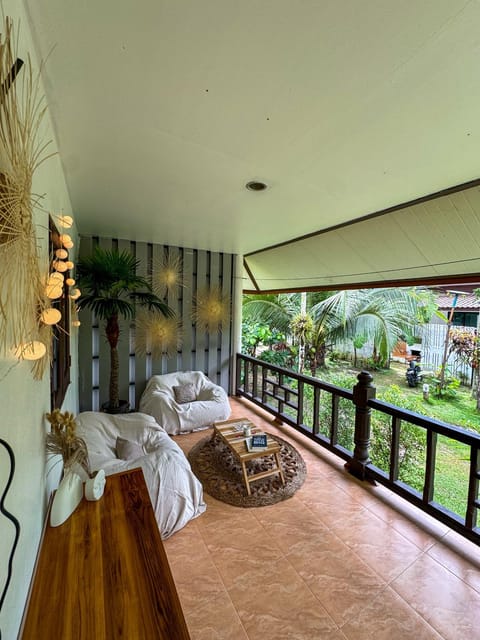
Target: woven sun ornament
x=167 y=274
x=211 y=309
x=22 y=295
x=157 y=335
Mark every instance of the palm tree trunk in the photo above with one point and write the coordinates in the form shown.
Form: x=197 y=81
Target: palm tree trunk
x=113 y=333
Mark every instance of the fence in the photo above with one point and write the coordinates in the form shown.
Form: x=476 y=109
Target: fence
x=433 y=345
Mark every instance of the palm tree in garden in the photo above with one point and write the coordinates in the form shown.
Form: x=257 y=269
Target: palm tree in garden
x=112 y=289
x=288 y=313
x=274 y=310
x=380 y=316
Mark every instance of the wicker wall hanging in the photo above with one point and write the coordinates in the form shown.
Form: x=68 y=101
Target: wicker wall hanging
x=211 y=309
x=22 y=291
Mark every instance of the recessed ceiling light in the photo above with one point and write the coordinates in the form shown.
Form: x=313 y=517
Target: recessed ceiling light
x=254 y=185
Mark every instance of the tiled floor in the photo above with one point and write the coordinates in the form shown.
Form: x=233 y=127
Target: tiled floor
x=339 y=560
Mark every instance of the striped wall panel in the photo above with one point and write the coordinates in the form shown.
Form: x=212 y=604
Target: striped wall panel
x=209 y=352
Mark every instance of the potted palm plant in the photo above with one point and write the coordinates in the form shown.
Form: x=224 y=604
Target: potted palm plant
x=112 y=289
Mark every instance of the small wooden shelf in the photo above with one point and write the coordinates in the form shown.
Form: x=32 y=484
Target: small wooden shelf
x=104 y=573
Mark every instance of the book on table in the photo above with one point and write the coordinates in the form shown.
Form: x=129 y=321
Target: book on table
x=257 y=442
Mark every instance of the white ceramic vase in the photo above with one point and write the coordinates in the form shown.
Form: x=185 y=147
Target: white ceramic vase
x=66 y=499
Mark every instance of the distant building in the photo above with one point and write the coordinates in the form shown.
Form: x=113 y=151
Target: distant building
x=466 y=311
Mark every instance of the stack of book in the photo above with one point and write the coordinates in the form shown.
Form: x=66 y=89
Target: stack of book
x=257 y=442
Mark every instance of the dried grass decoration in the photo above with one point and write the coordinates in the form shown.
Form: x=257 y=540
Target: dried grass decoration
x=211 y=309
x=62 y=440
x=167 y=274
x=157 y=335
x=22 y=295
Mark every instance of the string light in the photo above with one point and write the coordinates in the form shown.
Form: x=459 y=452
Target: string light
x=75 y=293
x=50 y=316
x=65 y=221
x=33 y=350
x=60 y=265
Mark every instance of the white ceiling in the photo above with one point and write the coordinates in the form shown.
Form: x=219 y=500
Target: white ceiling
x=163 y=110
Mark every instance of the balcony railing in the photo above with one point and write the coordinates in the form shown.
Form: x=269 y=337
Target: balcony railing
x=340 y=420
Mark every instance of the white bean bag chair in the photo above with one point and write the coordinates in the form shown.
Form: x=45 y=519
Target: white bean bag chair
x=184 y=401
x=119 y=442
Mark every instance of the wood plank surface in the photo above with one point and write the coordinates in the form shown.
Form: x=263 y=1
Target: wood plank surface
x=104 y=573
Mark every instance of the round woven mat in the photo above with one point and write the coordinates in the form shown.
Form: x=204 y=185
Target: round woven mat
x=221 y=474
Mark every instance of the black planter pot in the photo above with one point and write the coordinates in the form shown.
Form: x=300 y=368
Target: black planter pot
x=123 y=407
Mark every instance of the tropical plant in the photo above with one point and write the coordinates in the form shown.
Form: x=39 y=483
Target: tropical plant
x=111 y=289
x=382 y=316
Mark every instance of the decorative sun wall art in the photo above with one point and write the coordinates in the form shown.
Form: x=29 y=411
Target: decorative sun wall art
x=22 y=294
x=157 y=334
x=167 y=274
x=211 y=309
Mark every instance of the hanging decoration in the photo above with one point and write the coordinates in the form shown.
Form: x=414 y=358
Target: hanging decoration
x=211 y=309
x=22 y=295
x=167 y=274
x=157 y=335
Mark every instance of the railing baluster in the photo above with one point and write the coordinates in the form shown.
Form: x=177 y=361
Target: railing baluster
x=334 y=420
x=239 y=365
x=472 y=504
x=316 y=411
x=280 y=403
x=255 y=381
x=429 y=486
x=300 y=403
x=395 y=448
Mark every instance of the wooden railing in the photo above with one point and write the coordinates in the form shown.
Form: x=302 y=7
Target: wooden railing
x=340 y=420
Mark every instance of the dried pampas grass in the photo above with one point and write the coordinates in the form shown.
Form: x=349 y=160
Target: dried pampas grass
x=62 y=440
x=22 y=295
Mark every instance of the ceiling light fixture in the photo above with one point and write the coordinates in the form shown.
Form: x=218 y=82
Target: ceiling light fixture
x=254 y=185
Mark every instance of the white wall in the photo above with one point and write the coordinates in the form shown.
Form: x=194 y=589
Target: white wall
x=24 y=402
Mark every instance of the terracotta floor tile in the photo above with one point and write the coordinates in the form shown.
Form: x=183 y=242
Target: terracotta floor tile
x=285 y=609
x=286 y=534
x=381 y=547
x=196 y=578
x=322 y=565
x=235 y=560
x=340 y=560
x=460 y=556
x=388 y=617
x=332 y=505
x=447 y=603
x=223 y=625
